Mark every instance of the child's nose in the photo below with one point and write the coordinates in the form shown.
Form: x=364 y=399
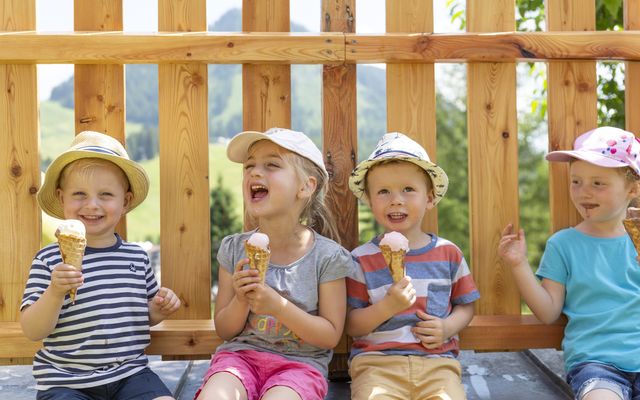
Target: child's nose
x=397 y=199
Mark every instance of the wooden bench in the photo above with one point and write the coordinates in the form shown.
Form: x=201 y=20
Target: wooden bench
x=193 y=339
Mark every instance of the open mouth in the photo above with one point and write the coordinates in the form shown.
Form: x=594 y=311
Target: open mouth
x=259 y=192
x=396 y=217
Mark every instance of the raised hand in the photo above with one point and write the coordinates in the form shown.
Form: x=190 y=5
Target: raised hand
x=512 y=247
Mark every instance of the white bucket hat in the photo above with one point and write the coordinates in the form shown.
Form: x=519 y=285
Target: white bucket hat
x=396 y=146
x=89 y=144
x=297 y=142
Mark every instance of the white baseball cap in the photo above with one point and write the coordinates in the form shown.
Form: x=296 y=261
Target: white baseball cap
x=297 y=142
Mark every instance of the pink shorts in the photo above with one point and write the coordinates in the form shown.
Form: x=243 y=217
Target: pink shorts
x=259 y=371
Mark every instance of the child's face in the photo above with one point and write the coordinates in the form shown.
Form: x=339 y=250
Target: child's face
x=399 y=196
x=600 y=194
x=270 y=185
x=97 y=196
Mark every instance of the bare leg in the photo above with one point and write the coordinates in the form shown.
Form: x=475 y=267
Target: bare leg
x=601 y=394
x=223 y=386
x=281 y=393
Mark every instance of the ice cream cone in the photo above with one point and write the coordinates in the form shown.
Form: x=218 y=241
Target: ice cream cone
x=258 y=259
x=395 y=261
x=72 y=243
x=632 y=226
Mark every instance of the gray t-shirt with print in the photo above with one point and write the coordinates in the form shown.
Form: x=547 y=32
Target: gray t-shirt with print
x=299 y=283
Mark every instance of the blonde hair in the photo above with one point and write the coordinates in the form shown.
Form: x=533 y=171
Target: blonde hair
x=315 y=213
x=85 y=167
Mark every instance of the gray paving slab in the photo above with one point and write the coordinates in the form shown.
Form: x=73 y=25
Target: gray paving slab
x=486 y=376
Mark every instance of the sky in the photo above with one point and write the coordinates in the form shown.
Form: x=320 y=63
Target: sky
x=142 y=16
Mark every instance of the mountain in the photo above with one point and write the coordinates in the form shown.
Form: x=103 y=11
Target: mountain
x=225 y=96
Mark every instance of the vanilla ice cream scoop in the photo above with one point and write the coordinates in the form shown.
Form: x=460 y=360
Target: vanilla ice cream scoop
x=396 y=241
x=260 y=240
x=71 y=227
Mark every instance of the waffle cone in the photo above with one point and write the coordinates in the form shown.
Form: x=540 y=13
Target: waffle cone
x=632 y=226
x=72 y=251
x=395 y=261
x=258 y=259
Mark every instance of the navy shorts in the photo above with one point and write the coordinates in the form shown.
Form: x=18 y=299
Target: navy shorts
x=589 y=376
x=143 y=385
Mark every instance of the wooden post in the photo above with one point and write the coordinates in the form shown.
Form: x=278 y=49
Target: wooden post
x=632 y=71
x=340 y=138
x=493 y=161
x=572 y=103
x=184 y=168
x=19 y=159
x=99 y=88
x=266 y=89
x=411 y=92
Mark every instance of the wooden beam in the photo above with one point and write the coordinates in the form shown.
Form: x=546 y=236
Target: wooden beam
x=19 y=166
x=304 y=48
x=493 y=162
x=266 y=89
x=411 y=88
x=571 y=104
x=184 y=168
x=194 y=338
x=99 y=88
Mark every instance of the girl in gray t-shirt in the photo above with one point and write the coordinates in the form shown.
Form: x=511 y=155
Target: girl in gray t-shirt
x=279 y=334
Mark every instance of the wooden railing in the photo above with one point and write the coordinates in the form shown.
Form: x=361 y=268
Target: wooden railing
x=490 y=47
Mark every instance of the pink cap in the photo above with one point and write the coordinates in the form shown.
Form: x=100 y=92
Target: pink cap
x=606 y=146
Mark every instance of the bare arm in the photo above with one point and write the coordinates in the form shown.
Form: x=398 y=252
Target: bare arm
x=40 y=319
x=232 y=308
x=399 y=297
x=545 y=300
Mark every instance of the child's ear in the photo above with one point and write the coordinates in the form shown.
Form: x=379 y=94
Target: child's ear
x=60 y=196
x=430 y=200
x=128 y=197
x=308 y=187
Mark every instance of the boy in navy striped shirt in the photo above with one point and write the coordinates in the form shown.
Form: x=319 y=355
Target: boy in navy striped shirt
x=94 y=348
x=405 y=333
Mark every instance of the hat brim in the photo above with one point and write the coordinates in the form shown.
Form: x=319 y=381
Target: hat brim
x=48 y=198
x=438 y=176
x=238 y=147
x=590 y=157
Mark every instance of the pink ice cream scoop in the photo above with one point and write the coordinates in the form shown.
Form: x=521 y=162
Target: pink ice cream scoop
x=396 y=241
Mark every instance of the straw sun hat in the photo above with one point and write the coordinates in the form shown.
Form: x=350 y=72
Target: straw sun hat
x=90 y=144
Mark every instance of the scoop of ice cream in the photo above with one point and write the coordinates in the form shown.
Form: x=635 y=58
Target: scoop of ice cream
x=259 y=240
x=71 y=227
x=633 y=212
x=395 y=240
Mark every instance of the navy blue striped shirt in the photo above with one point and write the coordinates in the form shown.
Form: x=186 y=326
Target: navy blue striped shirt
x=101 y=338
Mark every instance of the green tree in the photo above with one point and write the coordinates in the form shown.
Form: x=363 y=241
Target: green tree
x=223 y=221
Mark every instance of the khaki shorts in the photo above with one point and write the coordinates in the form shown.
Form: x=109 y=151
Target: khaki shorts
x=405 y=378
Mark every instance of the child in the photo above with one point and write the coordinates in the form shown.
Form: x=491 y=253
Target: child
x=279 y=335
x=94 y=348
x=589 y=272
x=405 y=333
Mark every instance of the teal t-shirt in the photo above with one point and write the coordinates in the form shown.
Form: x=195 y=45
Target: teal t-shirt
x=602 y=301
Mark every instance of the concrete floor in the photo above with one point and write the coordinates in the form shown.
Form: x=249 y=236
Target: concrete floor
x=486 y=376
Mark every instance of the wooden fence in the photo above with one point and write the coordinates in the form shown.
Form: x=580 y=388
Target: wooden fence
x=182 y=49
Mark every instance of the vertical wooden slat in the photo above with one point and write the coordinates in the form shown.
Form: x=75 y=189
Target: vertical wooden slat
x=411 y=93
x=340 y=135
x=184 y=168
x=99 y=89
x=572 y=103
x=493 y=160
x=20 y=176
x=339 y=125
x=266 y=89
x=632 y=71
